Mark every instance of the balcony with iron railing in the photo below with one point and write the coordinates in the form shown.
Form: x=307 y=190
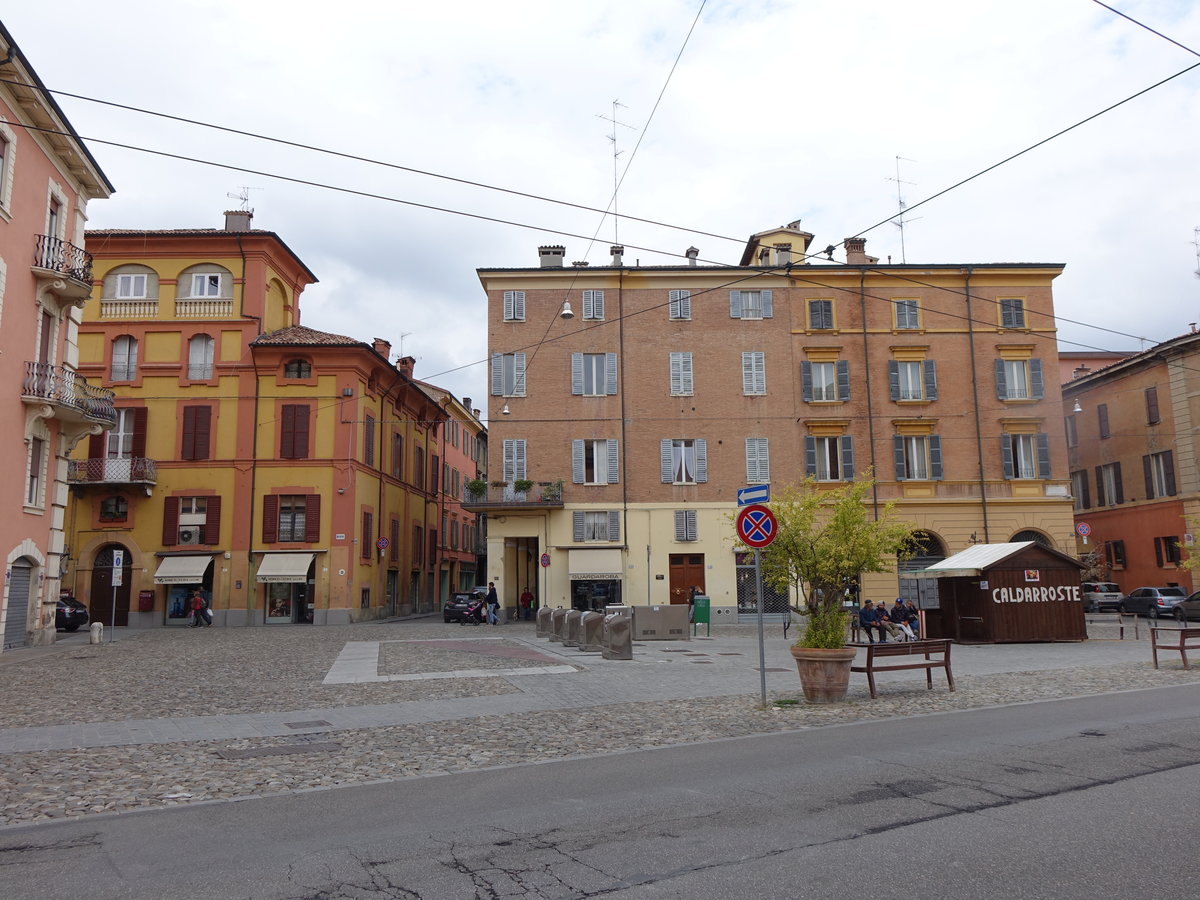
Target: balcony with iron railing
x=65 y=268
x=129 y=470
x=70 y=394
x=514 y=495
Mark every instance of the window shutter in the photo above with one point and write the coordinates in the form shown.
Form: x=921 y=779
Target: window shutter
x=613 y=461
x=847 y=457
x=1037 y=386
x=1100 y=486
x=894 y=379
x=1102 y=420
x=203 y=426
x=929 y=370
x=680 y=303
x=681 y=524
x=518 y=374
x=1083 y=483
x=898 y=456
x=1120 y=488
x=1043 y=454
x=577 y=373
x=735 y=304
x=768 y=305
x=187 y=448
x=577 y=462
x=614 y=524
x=170 y=535
x=368 y=534
x=701 y=446
x=287 y=432
x=806 y=389
x=843 y=380
x=748 y=373
x=1006 y=454
x=1169 y=470
x=1152 y=415
x=138 y=442
x=810 y=456
x=497 y=374
x=935 y=457
x=508 y=304
x=301 y=446
x=1158 y=554
x=1148 y=474
x=577 y=526
x=270 y=523
x=518 y=459
x=514 y=305
x=610 y=373
x=664 y=460
x=1001 y=385
x=312 y=518
x=211 y=532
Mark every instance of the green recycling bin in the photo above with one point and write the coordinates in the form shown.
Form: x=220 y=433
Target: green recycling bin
x=701 y=609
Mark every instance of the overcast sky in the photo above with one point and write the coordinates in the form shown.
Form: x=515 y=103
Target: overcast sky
x=778 y=110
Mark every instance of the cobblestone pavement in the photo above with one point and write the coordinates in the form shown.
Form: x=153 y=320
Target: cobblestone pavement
x=106 y=713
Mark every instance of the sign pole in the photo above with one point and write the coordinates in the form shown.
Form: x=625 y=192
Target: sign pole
x=117 y=579
x=762 y=656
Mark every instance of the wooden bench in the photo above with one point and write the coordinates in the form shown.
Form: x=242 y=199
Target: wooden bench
x=1178 y=641
x=907 y=651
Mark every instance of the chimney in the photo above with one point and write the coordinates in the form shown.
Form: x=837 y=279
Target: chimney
x=405 y=365
x=382 y=347
x=467 y=402
x=238 y=219
x=692 y=253
x=855 y=251
x=617 y=252
x=552 y=257
x=1079 y=371
x=1192 y=327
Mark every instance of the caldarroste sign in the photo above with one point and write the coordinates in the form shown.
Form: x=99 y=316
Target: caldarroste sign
x=1037 y=594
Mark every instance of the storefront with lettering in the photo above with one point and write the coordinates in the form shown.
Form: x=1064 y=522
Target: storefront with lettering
x=1008 y=593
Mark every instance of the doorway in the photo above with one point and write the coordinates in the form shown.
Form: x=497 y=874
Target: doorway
x=687 y=572
x=103 y=596
x=16 y=622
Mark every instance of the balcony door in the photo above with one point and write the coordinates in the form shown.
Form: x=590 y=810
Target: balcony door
x=118 y=448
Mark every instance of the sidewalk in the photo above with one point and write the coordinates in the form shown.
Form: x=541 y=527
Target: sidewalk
x=394 y=699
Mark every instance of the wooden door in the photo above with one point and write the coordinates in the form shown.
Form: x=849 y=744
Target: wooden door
x=101 y=600
x=687 y=572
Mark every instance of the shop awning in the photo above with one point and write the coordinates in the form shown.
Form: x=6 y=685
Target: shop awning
x=182 y=569
x=594 y=565
x=284 y=567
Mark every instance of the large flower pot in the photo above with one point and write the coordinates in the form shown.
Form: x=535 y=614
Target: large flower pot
x=824 y=674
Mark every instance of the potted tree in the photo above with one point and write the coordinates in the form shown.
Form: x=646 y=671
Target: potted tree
x=521 y=487
x=476 y=489
x=827 y=538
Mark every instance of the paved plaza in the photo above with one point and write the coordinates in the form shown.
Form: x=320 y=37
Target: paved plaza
x=167 y=716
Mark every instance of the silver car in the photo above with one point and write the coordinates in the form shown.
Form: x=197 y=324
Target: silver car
x=1098 y=596
x=1153 y=601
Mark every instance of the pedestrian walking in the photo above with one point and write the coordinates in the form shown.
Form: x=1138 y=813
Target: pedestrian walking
x=197 y=605
x=493 y=604
x=526 y=602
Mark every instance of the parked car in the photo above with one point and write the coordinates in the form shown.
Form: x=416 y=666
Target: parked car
x=1153 y=601
x=70 y=614
x=457 y=604
x=1188 y=609
x=1098 y=596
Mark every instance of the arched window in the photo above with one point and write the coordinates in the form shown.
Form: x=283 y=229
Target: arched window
x=1030 y=535
x=207 y=281
x=124 y=358
x=297 y=368
x=200 y=357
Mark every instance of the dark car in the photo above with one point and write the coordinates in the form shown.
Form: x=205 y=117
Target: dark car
x=457 y=604
x=1188 y=609
x=1153 y=601
x=1098 y=596
x=70 y=614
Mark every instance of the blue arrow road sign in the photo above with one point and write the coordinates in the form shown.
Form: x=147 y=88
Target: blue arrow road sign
x=760 y=493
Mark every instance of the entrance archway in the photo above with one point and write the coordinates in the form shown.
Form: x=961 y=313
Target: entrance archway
x=923 y=592
x=102 y=595
x=16 y=622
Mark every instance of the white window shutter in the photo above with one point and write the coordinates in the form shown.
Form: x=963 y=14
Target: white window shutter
x=613 y=461
x=577 y=462
x=665 y=448
x=518 y=374
x=735 y=304
x=610 y=373
x=614 y=524
x=497 y=374
x=701 y=446
x=576 y=373
x=577 y=526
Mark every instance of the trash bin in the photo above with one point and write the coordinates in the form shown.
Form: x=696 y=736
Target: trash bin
x=618 y=637
x=701 y=612
x=592 y=625
x=574 y=636
x=543 y=622
x=558 y=624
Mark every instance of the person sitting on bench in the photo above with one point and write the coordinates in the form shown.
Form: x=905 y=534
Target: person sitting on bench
x=900 y=618
x=868 y=618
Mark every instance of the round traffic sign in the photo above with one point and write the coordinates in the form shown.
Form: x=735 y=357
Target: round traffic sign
x=383 y=543
x=545 y=560
x=1083 y=529
x=756 y=526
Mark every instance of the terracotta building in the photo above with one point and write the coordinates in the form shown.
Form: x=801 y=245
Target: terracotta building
x=1132 y=449
x=287 y=474
x=630 y=403
x=47 y=177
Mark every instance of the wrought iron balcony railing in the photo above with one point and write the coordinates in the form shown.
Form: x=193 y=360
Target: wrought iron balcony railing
x=516 y=494
x=56 y=255
x=68 y=391
x=130 y=470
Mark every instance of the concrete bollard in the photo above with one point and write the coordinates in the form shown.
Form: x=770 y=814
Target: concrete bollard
x=543 y=622
x=97 y=636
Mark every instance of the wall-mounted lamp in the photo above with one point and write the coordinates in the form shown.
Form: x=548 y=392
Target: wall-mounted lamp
x=504 y=412
x=1076 y=408
x=566 y=312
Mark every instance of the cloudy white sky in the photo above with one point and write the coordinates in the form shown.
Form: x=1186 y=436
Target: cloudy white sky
x=778 y=110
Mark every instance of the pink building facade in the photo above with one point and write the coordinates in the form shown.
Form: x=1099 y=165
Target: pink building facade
x=47 y=177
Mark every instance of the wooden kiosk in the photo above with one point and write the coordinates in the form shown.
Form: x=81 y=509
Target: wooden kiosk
x=1007 y=593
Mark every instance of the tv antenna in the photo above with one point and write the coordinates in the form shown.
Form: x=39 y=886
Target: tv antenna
x=403 y=335
x=1196 y=244
x=900 y=221
x=612 y=119
x=243 y=197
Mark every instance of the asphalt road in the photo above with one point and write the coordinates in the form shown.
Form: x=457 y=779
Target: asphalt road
x=1065 y=799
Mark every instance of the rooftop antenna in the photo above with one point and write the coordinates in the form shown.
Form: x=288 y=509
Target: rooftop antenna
x=243 y=197
x=403 y=335
x=1196 y=244
x=612 y=119
x=900 y=221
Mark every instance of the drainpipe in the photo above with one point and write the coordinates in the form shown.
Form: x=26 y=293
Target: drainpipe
x=624 y=434
x=862 y=305
x=975 y=403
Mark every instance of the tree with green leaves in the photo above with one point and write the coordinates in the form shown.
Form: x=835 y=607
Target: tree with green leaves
x=827 y=539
